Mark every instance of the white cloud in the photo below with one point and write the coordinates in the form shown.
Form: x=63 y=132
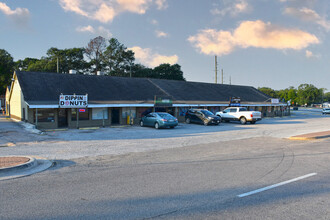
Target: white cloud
x=20 y=16
x=251 y=34
x=106 y=10
x=233 y=8
x=154 y=22
x=147 y=57
x=309 y=15
x=310 y=54
x=161 y=34
x=100 y=31
x=161 y=4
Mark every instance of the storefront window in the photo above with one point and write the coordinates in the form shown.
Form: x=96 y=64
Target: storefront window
x=83 y=114
x=44 y=115
x=127 y=111
x=99 y=113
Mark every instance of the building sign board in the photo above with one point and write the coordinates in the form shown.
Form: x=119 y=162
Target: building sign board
x=235 y=101
x=163 y=102
x=275 y=101
x=73 y=101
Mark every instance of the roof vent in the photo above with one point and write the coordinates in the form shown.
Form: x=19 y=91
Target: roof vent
x=72 y=72
x=100 y=73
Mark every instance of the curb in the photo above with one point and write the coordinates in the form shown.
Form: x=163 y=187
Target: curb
x=32 y=162
x=33 y=166
x=311 y=136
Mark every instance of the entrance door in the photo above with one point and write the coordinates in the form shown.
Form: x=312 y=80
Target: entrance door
x=62 y=118
x=115 y=116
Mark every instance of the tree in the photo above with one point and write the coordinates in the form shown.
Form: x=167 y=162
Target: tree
x=6 y=70
x=167 y=71
x=23 y=65
x=68 y=59
x=117 y=59
x=268 y=91
x=94 y=51
x=326 y=97
x=308 y=94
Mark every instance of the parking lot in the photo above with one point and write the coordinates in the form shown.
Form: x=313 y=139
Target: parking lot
x=74 y=143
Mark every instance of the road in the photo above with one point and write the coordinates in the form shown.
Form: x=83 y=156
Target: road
x=199 y=178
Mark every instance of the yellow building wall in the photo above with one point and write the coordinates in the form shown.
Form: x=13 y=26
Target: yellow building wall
x=17 y=102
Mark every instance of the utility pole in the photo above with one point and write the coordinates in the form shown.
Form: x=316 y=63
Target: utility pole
x=221 y=76
x=216 y=70
x=58 y=63
x=229 y=80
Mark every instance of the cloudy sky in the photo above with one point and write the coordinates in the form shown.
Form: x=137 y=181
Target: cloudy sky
x=273 y=43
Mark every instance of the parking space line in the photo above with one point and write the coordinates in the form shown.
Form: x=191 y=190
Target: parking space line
x=276 y=185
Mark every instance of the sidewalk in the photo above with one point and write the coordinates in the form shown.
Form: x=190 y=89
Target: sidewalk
x=311 y=136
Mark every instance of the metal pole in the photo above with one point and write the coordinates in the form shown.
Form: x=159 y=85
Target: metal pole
x=77 y=118
x=103 y=116
x=216 y=70
x=58 y=68
x=221 y=76
x=36 y=118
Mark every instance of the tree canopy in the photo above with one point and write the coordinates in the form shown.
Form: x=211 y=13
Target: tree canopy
x=304 y=94
x=6 y=70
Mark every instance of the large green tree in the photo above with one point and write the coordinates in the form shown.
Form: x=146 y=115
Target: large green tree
x=167 y=71
x=268 y=91
x=308 y=94
x=6 y=70
x=117 y=59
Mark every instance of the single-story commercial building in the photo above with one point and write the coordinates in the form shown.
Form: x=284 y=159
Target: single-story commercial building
x=53 y=100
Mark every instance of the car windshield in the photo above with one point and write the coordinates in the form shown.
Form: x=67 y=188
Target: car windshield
x=207 y=113
x=327 y=109
x=165 y=116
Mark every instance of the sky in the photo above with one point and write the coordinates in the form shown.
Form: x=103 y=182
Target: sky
x=260 y=43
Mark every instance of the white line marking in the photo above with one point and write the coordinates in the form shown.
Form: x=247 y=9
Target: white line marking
x=276 y=185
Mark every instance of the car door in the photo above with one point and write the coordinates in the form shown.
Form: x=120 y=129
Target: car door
x=232 y=112
x=225 y=114
x=148 y=121
x=199 y=116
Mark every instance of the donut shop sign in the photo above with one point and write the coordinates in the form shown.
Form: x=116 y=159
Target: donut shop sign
x=73 y=101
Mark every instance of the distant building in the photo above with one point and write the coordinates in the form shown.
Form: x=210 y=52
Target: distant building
x=34 y=97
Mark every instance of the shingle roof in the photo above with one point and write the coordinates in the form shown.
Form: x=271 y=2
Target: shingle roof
x=40 y=87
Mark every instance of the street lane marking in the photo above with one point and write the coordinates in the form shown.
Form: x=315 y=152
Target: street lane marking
x=276 y=185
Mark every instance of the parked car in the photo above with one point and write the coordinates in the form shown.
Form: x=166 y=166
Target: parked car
x=159 y=120
x=239 y=114
x=201 y=116
x=326 y=111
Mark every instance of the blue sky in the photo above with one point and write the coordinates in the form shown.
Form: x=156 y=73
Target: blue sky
x=273 y=43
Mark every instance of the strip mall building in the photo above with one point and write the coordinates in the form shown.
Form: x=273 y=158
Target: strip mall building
x=35 y=97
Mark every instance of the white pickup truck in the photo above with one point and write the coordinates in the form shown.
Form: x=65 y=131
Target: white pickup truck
x=239 y=114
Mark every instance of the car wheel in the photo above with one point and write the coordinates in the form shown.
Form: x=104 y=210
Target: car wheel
x=188 y=121
x=141 y=123
x=156 y=125
x=242 y=120
x=205 y=123
x=172 y=127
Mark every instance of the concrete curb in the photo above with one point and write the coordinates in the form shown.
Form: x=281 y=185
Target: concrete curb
x=311 y=136
x=32 y=162
x=33 y=166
